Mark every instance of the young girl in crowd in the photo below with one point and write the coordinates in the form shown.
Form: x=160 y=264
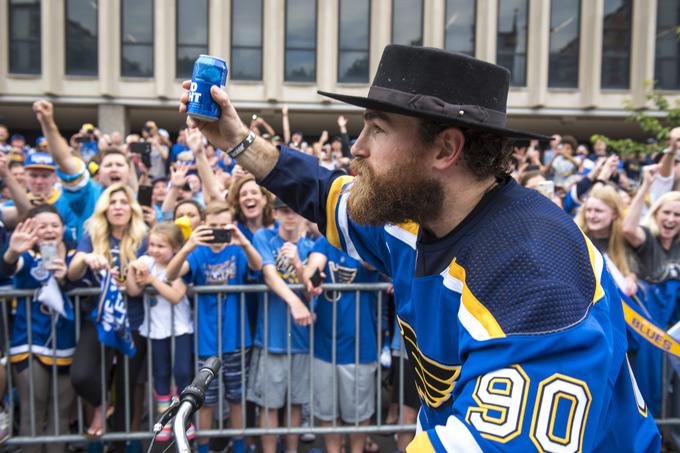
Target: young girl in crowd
x=52 y=337
x=201 y=261
x=601 y=219
x=113 y=238
x=166 y=315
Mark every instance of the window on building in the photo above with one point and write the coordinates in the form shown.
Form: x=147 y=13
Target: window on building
x=616 y=37
x=24 y=36
x=192 y=35
x=246 y=40
x=667 y=56
x=511 y=41
x=564 y=43
x=407 y=22
x=459 y=28
x=81 y=37
x=300 y=41
x=354 y=41
x=136 y=38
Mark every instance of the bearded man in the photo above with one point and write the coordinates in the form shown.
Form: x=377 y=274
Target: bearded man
x=512 y=324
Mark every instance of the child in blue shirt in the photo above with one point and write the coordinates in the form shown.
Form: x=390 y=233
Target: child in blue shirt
x=340 y=324
x=234 y=263
x=283 y=251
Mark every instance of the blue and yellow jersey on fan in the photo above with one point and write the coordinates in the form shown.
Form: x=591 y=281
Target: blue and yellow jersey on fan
x=513 y=326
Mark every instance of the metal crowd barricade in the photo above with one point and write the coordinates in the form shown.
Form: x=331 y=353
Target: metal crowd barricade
x=147 y=407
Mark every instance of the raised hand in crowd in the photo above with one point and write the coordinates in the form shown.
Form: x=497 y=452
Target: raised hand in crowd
x=195 y=141
x=178 y=179
x=631 y=224
x=56 y=144
x=342 y=124
x=11 y=214
x=23 y=239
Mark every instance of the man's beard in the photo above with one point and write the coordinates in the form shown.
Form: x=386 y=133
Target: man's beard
x=402 y=194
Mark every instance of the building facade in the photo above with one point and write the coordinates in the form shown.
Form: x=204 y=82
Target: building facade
x=119 y=62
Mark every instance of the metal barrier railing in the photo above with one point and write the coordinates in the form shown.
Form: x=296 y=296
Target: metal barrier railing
x=130 y=432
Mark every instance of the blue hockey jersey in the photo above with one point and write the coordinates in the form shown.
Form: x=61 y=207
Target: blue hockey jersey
x=511 y=322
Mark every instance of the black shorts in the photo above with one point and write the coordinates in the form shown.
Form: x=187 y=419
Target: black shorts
x=411 y=398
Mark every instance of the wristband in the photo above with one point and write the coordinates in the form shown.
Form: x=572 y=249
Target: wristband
x=238 y=149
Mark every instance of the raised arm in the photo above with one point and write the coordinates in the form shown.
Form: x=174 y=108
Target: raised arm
x=344 y=137
x=238 y=238
x=286 y=124
x=211 y=187
x=227 y=132
x=57 y=145
x=16 y=190
x=178 y=177
x=178 y=265
x=632 y=231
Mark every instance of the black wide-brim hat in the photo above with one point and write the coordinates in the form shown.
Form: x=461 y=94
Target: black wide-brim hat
x=440 y=85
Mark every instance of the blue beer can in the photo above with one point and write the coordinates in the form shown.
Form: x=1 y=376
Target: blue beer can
x=208 y=71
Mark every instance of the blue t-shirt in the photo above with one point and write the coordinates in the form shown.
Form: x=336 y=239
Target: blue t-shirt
x=33 y=276
x=229 y=266
x=342 y=268
x=268 y=243
x=135 y=305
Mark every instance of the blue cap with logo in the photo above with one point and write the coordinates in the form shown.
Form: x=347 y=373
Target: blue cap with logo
x=40 y=161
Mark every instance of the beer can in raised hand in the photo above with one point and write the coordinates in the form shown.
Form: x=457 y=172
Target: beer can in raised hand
x=208 y=71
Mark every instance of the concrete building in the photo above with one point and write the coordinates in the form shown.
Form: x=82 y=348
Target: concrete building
x=119 y=62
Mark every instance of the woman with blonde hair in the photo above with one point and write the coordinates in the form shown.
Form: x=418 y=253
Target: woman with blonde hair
x=114 y=237
x=655 y=240
x=601 y=219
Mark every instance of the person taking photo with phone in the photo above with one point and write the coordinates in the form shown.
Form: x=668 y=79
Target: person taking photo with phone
x=217 y=253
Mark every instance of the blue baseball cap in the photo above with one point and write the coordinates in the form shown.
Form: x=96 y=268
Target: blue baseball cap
x=40 y=161
x=40 y=140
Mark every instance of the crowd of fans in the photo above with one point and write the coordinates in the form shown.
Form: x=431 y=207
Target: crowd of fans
x=142 y=211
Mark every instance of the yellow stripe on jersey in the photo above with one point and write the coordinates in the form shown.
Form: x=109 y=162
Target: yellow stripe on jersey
x=60 y=361
x=334 y=193
x=411 y=227
x=473 y=305
x=420 y=444
x=597 y=264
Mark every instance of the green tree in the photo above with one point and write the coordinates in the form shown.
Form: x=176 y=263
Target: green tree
x=657 y=125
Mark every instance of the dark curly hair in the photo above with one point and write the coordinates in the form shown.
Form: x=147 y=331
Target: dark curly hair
x=485 y=153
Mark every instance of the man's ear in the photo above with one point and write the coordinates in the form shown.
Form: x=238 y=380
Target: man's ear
x=449 y=145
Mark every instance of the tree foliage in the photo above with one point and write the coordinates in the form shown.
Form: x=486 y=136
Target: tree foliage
x=656 y=121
